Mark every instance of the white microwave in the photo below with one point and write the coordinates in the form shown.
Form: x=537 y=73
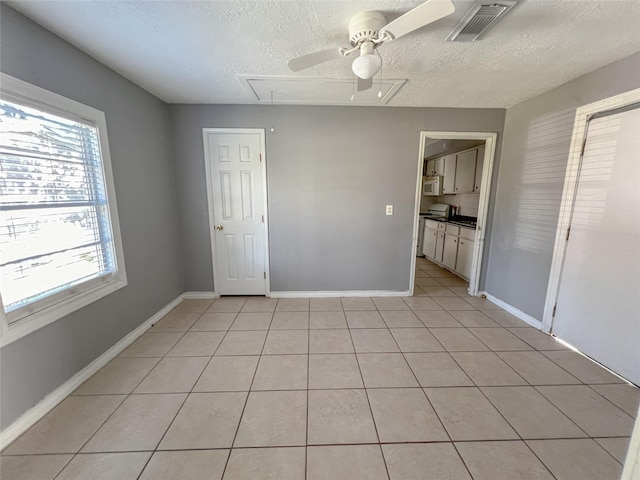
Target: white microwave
x=432 y=186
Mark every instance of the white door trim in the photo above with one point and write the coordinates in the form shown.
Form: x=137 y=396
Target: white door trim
x=490 y=139
x=569 y=191
x=265 y=225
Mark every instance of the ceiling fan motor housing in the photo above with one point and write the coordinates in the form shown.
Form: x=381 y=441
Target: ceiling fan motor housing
x=364 y=26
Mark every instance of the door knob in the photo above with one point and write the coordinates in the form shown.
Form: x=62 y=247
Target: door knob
x=219 y=227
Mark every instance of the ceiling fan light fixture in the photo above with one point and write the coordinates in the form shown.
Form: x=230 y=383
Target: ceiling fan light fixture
x=366 y=66
x=368 y=63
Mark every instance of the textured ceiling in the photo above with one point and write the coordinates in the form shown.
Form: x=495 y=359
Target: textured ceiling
x=203 y=51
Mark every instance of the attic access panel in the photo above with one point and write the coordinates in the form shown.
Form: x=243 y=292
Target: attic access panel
x=319 y=91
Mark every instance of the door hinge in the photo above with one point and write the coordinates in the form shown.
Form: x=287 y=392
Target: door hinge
x=568 y=232
x=553 y=313
x=264 y=275
x=262 y=218
x=260 y=155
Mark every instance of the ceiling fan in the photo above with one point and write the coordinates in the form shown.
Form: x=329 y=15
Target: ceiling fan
x=369 y=30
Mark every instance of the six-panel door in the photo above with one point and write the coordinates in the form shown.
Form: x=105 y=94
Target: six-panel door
x=237 y=195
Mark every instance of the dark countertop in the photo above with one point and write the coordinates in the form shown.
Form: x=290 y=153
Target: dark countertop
x=464 y=221
x=460 y=221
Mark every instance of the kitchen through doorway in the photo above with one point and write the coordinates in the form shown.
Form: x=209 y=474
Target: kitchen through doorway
x=452 y=195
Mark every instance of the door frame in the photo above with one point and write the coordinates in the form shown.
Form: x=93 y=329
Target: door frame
x=490 y=139
x=210 y=202
x=572 y=175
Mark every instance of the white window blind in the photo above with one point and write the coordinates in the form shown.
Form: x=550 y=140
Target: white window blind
x=55 y=231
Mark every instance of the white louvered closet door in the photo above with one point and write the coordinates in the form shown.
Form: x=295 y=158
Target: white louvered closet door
x=598 y=304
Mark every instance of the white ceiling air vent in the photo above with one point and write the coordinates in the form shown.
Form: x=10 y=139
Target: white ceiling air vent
x=479 y=19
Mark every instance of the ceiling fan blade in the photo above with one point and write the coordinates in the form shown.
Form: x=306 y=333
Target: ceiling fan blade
x=315 y=58
x=428 y=12
x=364 y=84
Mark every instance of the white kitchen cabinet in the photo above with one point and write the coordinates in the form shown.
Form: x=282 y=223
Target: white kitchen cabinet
x=466 y=243
x=439 y=247
x=429 y=242
x=465 y=171
x=428 y=167
x=449 y=181
x=450 y=251
x=450 y=246
x=479 y=167
x=435 y=167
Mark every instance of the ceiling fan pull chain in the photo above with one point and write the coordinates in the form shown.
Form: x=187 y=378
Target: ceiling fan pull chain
x=380 y=76
x=353 y=89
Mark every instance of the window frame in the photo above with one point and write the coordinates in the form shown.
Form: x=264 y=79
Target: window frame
x=40 y=313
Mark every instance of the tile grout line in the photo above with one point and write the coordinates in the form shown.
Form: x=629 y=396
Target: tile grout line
x=493 y=405
x=192 y=387
x=475 y=386
x=364 y=386
x=266 y=447
x=591 y=385
x=444 y=428
x=435 y=387
x=185 y=398
x=246 y=401
x=306 y=430
x=126 y=397
x=308 y=389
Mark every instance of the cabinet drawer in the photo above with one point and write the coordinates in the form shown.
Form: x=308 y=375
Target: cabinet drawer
x=441 y=226
x=452 y=229
x=432 y=224
x=468 y=233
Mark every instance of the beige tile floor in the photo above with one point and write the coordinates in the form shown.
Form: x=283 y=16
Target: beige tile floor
x=436 y=386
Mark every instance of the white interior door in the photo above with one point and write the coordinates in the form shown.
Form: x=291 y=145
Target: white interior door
x=237 y=206
x=598 y=303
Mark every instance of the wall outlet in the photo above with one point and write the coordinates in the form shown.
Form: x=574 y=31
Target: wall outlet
x=389 y=209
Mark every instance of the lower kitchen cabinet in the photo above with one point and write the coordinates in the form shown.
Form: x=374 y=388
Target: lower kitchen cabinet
x=450 y=246
x=450 y=251
x=465 y=257
x=429 y=242
x=439 y=247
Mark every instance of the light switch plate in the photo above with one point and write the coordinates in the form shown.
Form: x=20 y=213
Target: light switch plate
x=389 y=209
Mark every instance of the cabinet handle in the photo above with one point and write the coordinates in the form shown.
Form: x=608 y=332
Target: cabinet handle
x=461 y=243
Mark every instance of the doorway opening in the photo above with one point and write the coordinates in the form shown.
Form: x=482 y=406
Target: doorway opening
x=454 y=170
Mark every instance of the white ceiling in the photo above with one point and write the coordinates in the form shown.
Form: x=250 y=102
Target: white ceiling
x=204 y=51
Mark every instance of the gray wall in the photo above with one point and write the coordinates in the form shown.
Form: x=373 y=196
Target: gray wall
x=330 y=171
x=138 y=128
x=535 y=149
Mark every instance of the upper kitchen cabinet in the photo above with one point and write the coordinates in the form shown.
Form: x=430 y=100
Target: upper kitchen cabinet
x=435 y=167
x=461 y=170
x=479 y=167
x=465 y=171
x=448 y=184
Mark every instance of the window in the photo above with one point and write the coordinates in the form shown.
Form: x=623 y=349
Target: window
x=60 y=247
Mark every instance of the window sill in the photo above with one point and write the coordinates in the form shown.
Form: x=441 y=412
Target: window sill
x=49 y=314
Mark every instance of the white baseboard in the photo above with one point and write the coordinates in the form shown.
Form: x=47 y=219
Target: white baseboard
x=342 y=293
x=198 y=295
x=48 y=403
x=525 y=317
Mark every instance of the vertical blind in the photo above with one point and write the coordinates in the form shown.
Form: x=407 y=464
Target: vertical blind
x=55 y=231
